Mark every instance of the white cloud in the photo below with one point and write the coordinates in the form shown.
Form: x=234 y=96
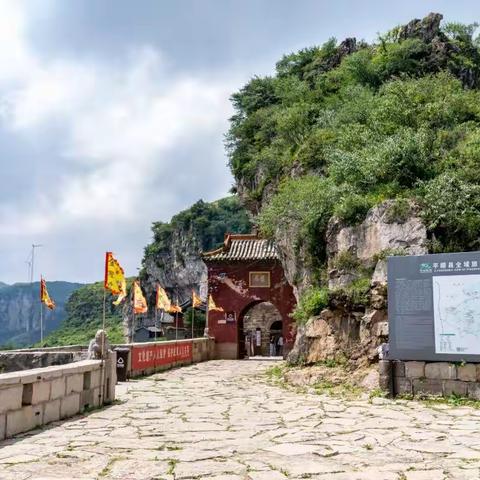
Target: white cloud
x=15 y=58
x=121 y=126
x=118 y=123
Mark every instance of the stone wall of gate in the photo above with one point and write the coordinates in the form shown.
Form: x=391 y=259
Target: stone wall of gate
x=262 y=316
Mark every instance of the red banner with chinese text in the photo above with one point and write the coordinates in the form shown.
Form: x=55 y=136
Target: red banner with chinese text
x=147 y=356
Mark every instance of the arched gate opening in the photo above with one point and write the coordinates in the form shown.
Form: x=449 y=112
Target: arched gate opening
x=259 y=325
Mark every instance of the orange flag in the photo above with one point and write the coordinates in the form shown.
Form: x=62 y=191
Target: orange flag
x=175 y=308
x=44 y=296
x=163 y=302
x=115 y=278
x=212 y=306
x=196 y=300
x=139 y=302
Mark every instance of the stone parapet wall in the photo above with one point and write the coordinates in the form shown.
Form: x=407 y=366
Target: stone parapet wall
x=203 y=348
x=430 y=378
x=63 y=348
x=145 y=359
x=13 y=361
x=35 y=397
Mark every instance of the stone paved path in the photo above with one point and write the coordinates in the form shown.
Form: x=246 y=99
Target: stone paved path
x=220 y=420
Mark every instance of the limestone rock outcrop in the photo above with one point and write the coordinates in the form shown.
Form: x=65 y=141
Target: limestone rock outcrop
x=295 y=261
x=354 y=329
x=179 y=269
x=379 y=231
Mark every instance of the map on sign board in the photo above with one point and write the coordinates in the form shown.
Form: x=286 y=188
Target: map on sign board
x=456 y=308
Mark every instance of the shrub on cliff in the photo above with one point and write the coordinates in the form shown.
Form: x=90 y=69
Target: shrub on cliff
x=301 y=207
x=203 y=223
x=343 y=127
x=312 y=303
x=356 y=124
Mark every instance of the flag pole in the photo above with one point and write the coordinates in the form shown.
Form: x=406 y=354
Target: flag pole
x=206 y=314
x=193 y=318
x=176 y=331
x=104 y=309
x=156 y=313
x=41 y=323
x=41 y=310
x=134 y=321
x=176 y=322
x=155 y=338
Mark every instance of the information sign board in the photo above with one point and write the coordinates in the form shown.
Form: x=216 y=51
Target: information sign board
x=434 y=307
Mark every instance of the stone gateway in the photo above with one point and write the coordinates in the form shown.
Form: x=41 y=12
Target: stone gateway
x=246 y=279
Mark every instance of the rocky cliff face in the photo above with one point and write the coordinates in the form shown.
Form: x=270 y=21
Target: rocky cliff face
x=173 y=258
x=20 y=311
x=179 y=268
x=348 y=327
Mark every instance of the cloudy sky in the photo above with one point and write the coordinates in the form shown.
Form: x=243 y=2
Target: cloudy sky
x=112 y=112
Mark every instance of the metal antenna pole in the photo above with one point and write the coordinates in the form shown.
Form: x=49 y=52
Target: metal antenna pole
x=29 y=265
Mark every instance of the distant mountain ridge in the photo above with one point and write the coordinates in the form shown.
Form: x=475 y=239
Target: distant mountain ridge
x=83 y=317
x=20 y=311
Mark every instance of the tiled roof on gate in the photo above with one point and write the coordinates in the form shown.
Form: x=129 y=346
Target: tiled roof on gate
x=243 y=247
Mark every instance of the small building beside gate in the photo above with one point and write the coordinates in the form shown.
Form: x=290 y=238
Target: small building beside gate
x=246 y=279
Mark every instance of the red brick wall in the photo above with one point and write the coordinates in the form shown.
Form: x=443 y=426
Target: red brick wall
x=229 y=286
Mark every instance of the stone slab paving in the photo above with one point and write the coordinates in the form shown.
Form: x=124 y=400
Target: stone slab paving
x=221 y=420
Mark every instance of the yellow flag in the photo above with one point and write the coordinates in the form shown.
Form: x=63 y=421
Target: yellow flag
x=196 y=300
x=122 y=296
x=139 y=302
x=114 y=278
x=44 y=296
x=175 y=308
x=212 y=306
x=163 y=302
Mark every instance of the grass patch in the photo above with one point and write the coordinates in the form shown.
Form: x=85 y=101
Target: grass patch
x=337 y=389
x=172 y=463
x=276 y=373
x=337 y=361
x=452 y=400
x=389 y=252
x=377 y=393
x=398 y=211
x=108 y=467
x=346 y=261
x=356 y=293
